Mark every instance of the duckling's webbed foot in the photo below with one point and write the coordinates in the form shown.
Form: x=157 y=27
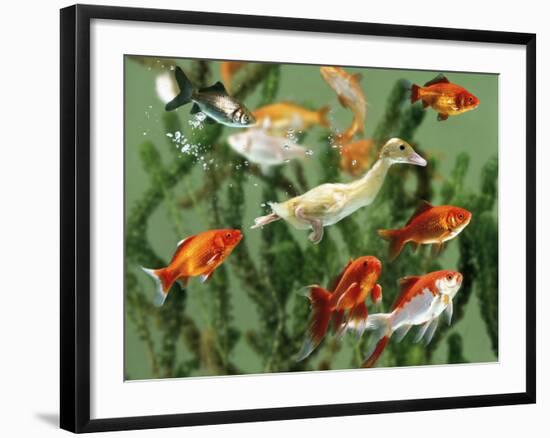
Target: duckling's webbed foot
x=317 y=234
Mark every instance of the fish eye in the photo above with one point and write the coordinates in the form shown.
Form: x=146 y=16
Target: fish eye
x=228 y=235
x=449 y=277
x=402 y=147
x=365 y=264
x=460 y=216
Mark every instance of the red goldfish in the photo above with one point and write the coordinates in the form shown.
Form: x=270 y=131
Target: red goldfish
x=197 y=255
x=288 y=115
x=350 y=95
x=446 y=98
x=355 y=158
x=228 y=70
x=421 y=301
x=350 y=290
x=428 y=225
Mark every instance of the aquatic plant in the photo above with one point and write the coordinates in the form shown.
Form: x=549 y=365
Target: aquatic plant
x=178 y=345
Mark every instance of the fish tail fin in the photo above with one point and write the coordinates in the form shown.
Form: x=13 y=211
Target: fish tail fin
x=163 y=281
x=395 y=237
x=186 y=91
x=415 y=93
x=319 y=321
x=264 y=220
x=380 y=323
x=323 y=116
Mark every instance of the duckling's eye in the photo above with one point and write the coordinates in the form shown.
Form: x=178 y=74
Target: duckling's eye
x=402 y=147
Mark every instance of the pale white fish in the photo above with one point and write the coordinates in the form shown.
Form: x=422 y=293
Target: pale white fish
x=258 y=146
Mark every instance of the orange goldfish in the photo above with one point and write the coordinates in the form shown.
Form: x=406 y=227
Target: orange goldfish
x=349 y=292
x=287 y=115
x=228 y=70
x=446 y=98
x=355 y=158
x=428 y=225
x=350 y=95
x=197 y=255
x=421 y=302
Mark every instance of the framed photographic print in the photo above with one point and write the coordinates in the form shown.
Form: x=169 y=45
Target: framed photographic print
x=351 y=207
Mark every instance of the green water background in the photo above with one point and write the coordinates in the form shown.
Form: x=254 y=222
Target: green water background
x=475 y=133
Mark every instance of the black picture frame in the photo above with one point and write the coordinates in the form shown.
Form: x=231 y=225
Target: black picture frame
x=75 y=217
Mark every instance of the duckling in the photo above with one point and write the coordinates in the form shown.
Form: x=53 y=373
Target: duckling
x=329 y=203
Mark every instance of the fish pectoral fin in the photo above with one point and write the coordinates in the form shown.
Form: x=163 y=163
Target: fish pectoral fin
x=441 y=117
x=215 y=258
x=430 y=332
x=421 y=331
x=449 y=312
x=218 y=87
x=195 y=109
x=437 y=248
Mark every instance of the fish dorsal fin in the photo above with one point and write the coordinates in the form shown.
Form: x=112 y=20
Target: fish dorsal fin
x=218 y=87
x=439 y=79
x=195 y=109
x=187 y=239
x=422 y=208
x=337 y=279
x=406 y=283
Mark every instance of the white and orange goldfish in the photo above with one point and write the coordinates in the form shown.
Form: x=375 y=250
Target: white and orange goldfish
x=195 y=256
x=350 y=95
x=422 y=300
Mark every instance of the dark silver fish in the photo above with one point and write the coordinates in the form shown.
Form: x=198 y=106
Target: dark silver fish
x=213 y=101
